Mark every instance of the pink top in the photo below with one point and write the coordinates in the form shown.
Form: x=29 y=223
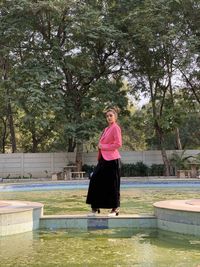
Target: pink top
x=110 y=141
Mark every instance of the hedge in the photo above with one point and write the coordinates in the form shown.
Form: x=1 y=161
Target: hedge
x=134 y=170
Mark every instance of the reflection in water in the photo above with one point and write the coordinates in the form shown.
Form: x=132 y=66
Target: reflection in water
x=110 y=247
x=16 y=248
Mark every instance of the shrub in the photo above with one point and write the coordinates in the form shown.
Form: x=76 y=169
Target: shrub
x=133 y=170
x=156 y=170
x=88 y=168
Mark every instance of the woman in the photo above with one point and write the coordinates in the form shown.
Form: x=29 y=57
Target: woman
x=104 y=187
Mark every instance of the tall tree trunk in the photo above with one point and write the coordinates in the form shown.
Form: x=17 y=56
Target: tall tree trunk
x=9 y=109
x=34 y=142
x=3 y=139
x=12 y=128
x=167 y=166
x=158 y=129
x=79 y=155
x=176 y=130
x=71 y=144
x=178 y=139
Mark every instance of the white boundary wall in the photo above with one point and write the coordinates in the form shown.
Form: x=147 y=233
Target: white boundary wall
x=44 y=164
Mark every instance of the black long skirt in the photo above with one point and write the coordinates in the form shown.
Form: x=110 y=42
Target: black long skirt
x=104 y=186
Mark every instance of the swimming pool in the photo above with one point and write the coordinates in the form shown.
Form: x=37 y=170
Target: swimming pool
x=70 y=185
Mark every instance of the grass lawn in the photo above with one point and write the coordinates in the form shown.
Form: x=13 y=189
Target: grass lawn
x=134 y=201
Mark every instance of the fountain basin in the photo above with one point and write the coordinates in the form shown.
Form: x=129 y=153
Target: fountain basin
x=19 y=216
x=180 y=216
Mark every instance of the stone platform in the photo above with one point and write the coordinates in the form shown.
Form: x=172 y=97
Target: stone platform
x=19 y=216
x=181 y=216
x=98 y=221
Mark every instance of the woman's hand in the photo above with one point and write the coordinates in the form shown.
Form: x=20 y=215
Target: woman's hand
x=99 y=146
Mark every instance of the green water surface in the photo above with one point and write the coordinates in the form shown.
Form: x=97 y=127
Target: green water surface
x=108 y=247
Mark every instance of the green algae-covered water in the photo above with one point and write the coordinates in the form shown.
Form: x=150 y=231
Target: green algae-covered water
x=107 y=247
x=133 y=200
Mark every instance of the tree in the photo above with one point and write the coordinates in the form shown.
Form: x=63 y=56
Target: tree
x=186 y=119
x=5 y=71
x=79 y=45
x=155 y=44
x=190 y=15
x=180 y=161
x=3 y=121
x=134 y=126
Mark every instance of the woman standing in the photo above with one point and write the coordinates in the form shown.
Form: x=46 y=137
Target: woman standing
x=104 y=187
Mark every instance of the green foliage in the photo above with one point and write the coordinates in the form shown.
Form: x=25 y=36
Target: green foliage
x=156 y=170
x=139 y=169
x=64 y=69
x=186 y=119
x=88 y=169
x=180 y=161
x=63 y=62
x=134 y=126
x=195 y=159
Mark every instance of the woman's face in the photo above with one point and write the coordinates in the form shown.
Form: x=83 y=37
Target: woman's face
x=110 y=117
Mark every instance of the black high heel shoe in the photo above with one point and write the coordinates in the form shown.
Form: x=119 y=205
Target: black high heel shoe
x=114 y=212
x=96 y=211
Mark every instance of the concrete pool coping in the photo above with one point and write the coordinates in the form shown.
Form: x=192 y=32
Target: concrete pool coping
x=10 y=206
x=83 y=216
x=192 y=205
